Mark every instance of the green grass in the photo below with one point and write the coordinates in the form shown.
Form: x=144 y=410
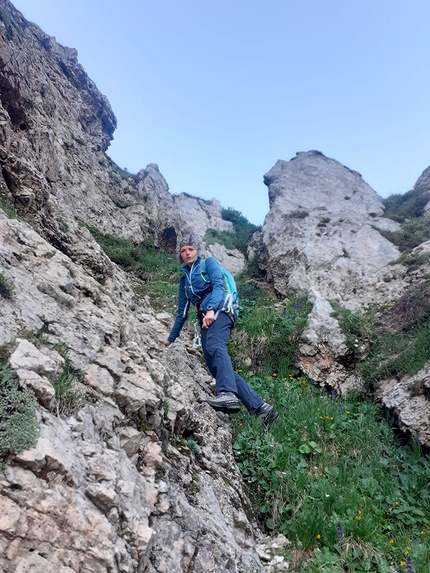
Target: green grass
x=226 y=238
x=156 y=271
x=409 y=205
x=238 y=238
x=390 y=340
x=330 y=476
x=395 y=354
x=329 y=473
x=70 y=395
x=266 y=335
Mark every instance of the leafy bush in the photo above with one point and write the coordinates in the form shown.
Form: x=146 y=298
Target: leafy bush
x=18 y=426
x=6 y=287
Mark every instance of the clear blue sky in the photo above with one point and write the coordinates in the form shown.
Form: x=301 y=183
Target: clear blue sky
x=215 y=92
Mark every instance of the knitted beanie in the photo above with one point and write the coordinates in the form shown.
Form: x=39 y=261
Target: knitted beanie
x=191 y=241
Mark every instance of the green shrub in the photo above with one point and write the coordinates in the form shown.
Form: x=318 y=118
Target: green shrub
x=18 y=426
x=122 y=203
x=238 y=238
x=299 y=214
x=409 y=205
x=413 y=261
x=8 y=208
x=6 y=287
x=412 y=233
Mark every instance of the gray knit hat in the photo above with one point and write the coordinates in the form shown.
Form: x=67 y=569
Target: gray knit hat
x=190 y=240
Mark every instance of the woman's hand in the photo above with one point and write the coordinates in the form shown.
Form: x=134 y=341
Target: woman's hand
x=208 y=319
x=165 y=342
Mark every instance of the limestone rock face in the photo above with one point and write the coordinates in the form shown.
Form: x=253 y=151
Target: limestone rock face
x=321 y=238
x=408 y=400
x=113 y=482
x=107 y=487
x=55 y=128
x=321 y=233
x=422 y=187
x=181 y=215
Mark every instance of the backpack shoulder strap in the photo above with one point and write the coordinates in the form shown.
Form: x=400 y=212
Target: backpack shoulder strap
x=203 y=271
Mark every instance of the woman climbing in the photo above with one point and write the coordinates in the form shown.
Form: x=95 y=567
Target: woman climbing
x=208 y=293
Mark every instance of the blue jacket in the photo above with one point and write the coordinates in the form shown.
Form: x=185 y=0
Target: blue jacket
x=194 y=289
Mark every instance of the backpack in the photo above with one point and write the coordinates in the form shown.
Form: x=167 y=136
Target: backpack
x=231 y=303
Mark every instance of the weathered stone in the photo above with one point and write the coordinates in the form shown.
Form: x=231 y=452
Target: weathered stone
x=41 y=387
x=319 y=233
x=28 y=357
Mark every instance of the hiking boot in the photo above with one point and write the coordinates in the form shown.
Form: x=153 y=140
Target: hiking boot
x=225 y=402
x=267 y=414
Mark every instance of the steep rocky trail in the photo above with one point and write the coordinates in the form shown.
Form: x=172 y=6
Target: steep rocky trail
x=134 y=474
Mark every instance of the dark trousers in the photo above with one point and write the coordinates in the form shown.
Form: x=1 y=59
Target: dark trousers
x=214 y=343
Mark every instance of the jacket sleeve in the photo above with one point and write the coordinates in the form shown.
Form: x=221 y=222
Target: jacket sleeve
x=181 y=317
x=217 y=295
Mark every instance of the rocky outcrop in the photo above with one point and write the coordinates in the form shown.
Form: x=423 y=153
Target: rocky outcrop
x=321 y=237
x=321 y=233
x=129 y=472
x=408 y=399
x=55 y=128
x=422 y=190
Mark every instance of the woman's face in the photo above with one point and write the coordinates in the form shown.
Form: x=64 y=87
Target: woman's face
x=188 y=254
